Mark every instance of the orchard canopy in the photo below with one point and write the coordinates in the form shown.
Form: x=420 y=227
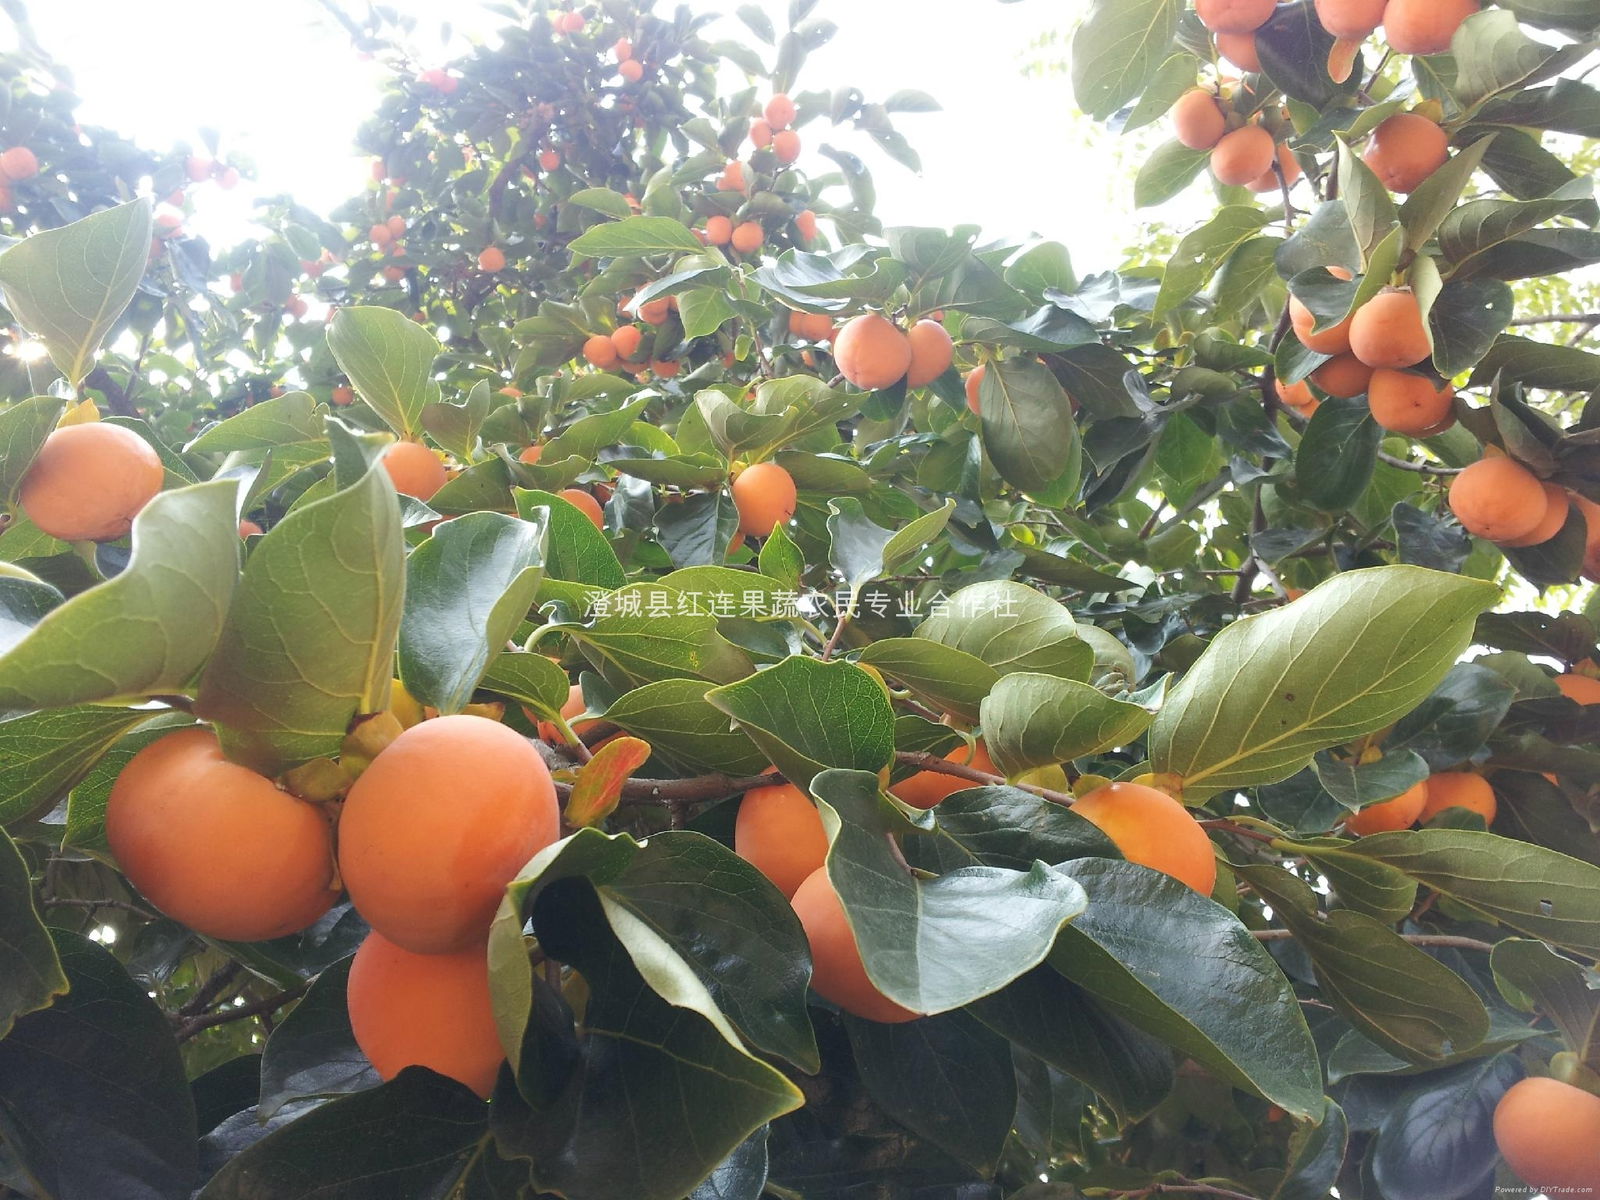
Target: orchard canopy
x=600 y=669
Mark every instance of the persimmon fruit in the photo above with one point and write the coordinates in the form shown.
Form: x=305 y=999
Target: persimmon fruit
x=491 y=259
x=837 y=972
x=1243 y=155
x=748 y=237
x=1405 y=402
x=975 y=388
x=786 y=145
x=625 y=340
x=1405 y=150
x=932 y=351
x=600 y=351
x=1153 y=830
x=719 y=230
x=1343 y=376
x=1390 y=815
x=1558 y=508
x=586 y=504
x=872 y=352
x=89 y=481
x=1198 y=120
x=1387 y=331
x=1350 y=18
x=1549 y=1134
x=1584 y=689
x=764 y=495
x=1459 y=789
x=780 y=111
x=1498 y=499
x=414 y=469
x=927 y=788
x=1234 y=16
x=438 y=824
x=1424 y=26
x=779 y=832
x=216 y=846
x=1240 y=50
x=1333 y=340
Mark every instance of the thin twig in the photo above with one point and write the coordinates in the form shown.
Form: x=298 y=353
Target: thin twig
x=208 y=991
x=1443 y=941
x=1421 y=468
x=91 y=905
x=241 y=1012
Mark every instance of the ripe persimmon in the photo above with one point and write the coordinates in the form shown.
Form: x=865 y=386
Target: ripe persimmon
x=927 y=788
x=1240 y=50
x=491 y=259
x=1297 y=396
x=931 y=353
x=1343 y=376
x=1350 y=18
x=655 y=312
x=805 y=224
x=380 y=235
x=436 y=827
x=1388 y=331
x=1198 y=120
x=600 y=351
x=786 y=145
x=425 y=1010
x=975 y=388
x=1333 y=340
x=1555 y=517
x=631 y=69
x=871 y=352
x=1584 y=689
x=719 y=230
x=1234 y=16
x=586 y=504
x=779 y=832
x=780 y=111
x=1405 y=402
x=1390 y=815
x=1243 y=155
x=550 y=732
x=249 y=528
x=1287 y=163
x=1549 y=1134
x=1591 y=534
x=89 y=481
x=748 y=237
x=814 y=327
x=764 y=495
x=216 y=846
x=414 y=469
x=837 y=972
x=1459 y=789
x=531 y=454
x=1405 y=150
x=1498 y=499
x=1153 y=830
x=625 y=340
x=1424 y=26
x=760 y=133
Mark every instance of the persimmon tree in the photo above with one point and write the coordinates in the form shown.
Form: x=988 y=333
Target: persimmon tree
x=690 y=693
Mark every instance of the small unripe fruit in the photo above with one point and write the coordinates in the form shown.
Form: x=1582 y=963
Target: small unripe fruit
x=1198 y=120
x=871 y=352
x=89 y=481
x=1243 y=155
x=837 y=972
x=765 y=497
x=1498 y=498
x=1153 y=830
x=1387 y=331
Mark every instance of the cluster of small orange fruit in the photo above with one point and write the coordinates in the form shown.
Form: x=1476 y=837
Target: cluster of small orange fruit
x=873 y=352
x=1501 y=501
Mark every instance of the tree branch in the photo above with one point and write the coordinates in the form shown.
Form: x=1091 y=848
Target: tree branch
x=187 y=1028
x=1421 y=468
x=1441 y=941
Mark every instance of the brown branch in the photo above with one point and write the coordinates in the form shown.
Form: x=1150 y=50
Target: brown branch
x=208 y=991
x=92 y=905
x=1441 y=941
x=187 y=1029
x=1559 y=319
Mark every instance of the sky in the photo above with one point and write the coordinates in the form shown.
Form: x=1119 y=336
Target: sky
x=1008 y=151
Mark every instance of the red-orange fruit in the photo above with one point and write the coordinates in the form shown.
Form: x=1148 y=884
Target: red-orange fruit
x=719 y=230
x=765 y=496
x=1391 y=815
x=1584 y=689
x=779 y=832
x=434 y=829
x=1333 y=340
x=786 y=145
x=1555 y=518
x=655 y=312
x=1459 y=789
x=631 y=69
x=1153 y=830
x=415 y=470
x=18 y=163
x=1387 y=331
x=249 y=529
x=625 y=340
x=975 y=388
x=813 y=327
x=760 y=134
x=1591 y=534
x=780 y=111
x=89 y=481
x=1424 y=26
x=1240 y=50
x=1287 y=163
x=1549 y=1134
x=1498 y=499
x=748 y=237
x=1234 y=16
x=1198 y=120
x=932 y=351
x=1405 y=402
x=871 y=352
x=1297 y=396
x=927 y=788
x=531 y=454
x=1343 y=376
x=805 y=224
x=491 y=259
x=837 y=972
x=1243 y=155
x=1350 y=18
x=215 y=846
x=550 y=732
x=600 y=351
x=1405 y=150
x=586 y=504
x=425 y=1010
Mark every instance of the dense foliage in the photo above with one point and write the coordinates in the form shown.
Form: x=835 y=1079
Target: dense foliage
x=598 y=670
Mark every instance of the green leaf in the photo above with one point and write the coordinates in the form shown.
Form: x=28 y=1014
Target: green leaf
x=1118 y=50
x=809 y=716
x=104 y=1054
x=1434 y=200
x=740 y=1176
x=149 y=629
x=1360 y=883
x=703 y=310
x=1466 y=318
x=647 y=632
x=1438 y=1137
x=944 y=678
x=389 y=359
x=70 y=285
x=1012 y=627
x=1201 y=252
x=455 y=427
x=862 y=551
x=286 y=681
x=683 y=727
x=312 y=1052
x=916 y=935
x=1170 y=168
x=529 y=678
x=1534 y=978
x=1528 y=888
x=23 y=428
x=602 y=200
x=948 y=1079
x=1353 y=655
x=1030 y=720
x=1478 y=226
x=30 y=971
x=43 y=754
x=1367 y=203
x=1184 y=970
x=589 y=435
x=1316 y=1156
x=1493 y=55
x=1052 y=1017
x=781 y=559
x=1029 y=432
x=1338 y=454
x=468 y=587
x=1005 y=827
x=635 y=236
x=281 y=420
x=1539 y=365
x=406 y=1137
x=574 y=549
